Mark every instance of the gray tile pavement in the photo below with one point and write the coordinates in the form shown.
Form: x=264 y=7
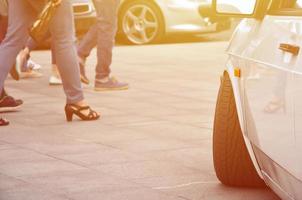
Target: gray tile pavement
x=152 y=143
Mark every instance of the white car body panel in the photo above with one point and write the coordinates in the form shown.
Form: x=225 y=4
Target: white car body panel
x=267 y=72
x=182 y=16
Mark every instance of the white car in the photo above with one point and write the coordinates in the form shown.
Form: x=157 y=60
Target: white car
x=148 y=21
x=257 y=137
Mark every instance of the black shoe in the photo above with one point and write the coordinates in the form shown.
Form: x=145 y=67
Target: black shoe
x=9 y=104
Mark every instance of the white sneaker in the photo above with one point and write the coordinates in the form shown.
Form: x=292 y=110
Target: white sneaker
x=32 y=65
x=53 y=80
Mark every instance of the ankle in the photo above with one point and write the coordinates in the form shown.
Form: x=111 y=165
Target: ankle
x=103 y=80
x=81 y=103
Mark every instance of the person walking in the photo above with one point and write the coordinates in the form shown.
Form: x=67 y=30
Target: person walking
x=21 y=15
x=102 y=34
x=7 y=103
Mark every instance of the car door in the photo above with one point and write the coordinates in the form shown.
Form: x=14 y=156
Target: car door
x=272 y=85
x=261 y=48
x=296 y=13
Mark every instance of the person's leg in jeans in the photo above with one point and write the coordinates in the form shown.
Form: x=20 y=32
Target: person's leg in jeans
x=103 y=34
x=88 y=42
x=3 y=26
x=55 y=77
x=24 y=64
x=21 y=16
x=63 y=34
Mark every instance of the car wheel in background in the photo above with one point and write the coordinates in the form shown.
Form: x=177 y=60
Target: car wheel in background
x=141 y=22
x=232 y=162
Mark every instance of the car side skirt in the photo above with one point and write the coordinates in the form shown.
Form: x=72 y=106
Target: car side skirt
x=279 y=179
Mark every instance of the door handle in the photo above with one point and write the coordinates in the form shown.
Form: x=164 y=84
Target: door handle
x=293 y=49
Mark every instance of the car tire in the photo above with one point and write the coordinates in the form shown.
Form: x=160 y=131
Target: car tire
x=232 y=162
x=139 y=29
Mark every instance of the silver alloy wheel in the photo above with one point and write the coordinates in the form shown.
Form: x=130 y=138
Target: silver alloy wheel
x=140 y=24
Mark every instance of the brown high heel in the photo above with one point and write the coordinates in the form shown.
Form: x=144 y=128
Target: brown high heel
x=72 y=109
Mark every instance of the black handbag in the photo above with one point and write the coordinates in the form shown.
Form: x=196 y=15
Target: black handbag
x=40 y=27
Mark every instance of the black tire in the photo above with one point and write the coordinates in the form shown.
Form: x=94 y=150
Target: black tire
x=158 y=16
x=232 y=162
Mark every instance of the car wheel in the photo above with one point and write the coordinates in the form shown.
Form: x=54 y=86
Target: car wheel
x=232 y=162
x=141 y=22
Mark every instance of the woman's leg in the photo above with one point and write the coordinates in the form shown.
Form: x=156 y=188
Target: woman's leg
x=88 y=42
x=62 y=32
x=3 y=27
x=21 y=16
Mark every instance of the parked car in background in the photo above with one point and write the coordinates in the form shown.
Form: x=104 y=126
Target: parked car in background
x=257 y=137
x=84 y=14
x=149 y=21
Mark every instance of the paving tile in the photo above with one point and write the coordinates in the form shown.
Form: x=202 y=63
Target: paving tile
x=77 y=181
x=106 y=135
x=165 y=129
x=216 y=191
x=65 y=148
x=29 y=193
x=199 y=158
x=150 y=144
x=129 y=194
x=8 y=183
x=153 y=141
x=145 y=169
x=4 y=146
x=19 y=155
x=168 y=182
x=40 y=167
x=102 y=157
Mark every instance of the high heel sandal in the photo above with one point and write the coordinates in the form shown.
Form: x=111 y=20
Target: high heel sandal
x=72 y=109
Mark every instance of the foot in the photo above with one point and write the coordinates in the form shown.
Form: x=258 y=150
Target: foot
x=275 y=105
x=3 y=122
x=110 y=84
x=84 y=78
x=15 y=72
x=20 y=65
x=9 y=104
x=22 y=60
x=31 y=73
x=54 y=80
x=32 y=65
x=82 y=110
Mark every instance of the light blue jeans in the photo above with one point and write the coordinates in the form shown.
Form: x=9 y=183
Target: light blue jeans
x=101 y=34
x=22 y=14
